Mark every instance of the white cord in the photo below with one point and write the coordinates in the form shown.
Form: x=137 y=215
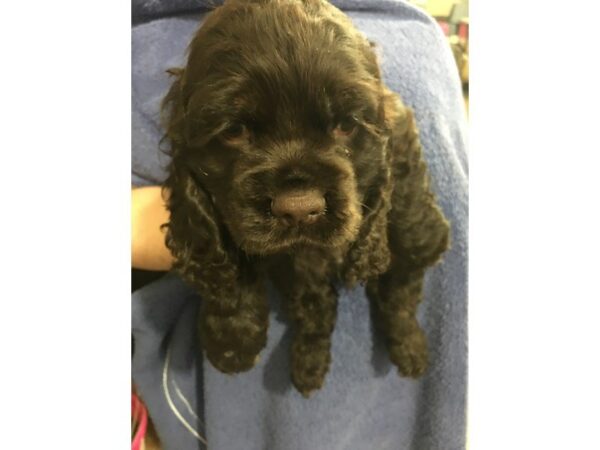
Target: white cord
x=170 y=401
x=185 y=401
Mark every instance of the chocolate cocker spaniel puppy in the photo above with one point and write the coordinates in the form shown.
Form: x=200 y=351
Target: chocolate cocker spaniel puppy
x=291 y=160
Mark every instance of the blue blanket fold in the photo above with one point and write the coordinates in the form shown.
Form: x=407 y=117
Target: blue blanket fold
x=364 y=405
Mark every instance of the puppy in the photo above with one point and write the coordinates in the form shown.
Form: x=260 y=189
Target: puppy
x=291 y=160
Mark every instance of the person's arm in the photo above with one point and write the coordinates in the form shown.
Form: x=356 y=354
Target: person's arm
x=148 y=213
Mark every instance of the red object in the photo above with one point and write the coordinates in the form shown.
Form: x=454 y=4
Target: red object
x=463 y=30
x=444 y=26
x=139 y=422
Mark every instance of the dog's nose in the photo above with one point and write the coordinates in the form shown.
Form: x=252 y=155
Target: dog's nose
x=299 y=206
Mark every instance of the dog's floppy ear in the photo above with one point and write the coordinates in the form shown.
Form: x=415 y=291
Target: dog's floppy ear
x=418 y=232
x=194 y=235
x=197 y=240
x=369 y=256
x=404 y=219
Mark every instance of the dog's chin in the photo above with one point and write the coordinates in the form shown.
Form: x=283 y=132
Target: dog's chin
x=292 y=239
x=266 y=247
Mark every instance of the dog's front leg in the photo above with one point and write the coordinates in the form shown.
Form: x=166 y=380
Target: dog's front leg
x=233 y=328
x=313 y=309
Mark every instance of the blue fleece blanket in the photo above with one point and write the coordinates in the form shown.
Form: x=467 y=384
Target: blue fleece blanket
x=364 y=404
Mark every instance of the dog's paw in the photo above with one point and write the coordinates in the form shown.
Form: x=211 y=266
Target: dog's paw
x=411 y=355
x=310 y=364
x=232 y=344
x=232 y=361
x=309 y=379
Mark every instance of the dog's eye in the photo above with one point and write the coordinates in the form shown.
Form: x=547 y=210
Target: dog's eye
x=346 y=127
x=235 y=133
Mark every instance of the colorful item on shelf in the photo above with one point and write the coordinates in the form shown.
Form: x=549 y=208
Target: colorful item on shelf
x=139 y=423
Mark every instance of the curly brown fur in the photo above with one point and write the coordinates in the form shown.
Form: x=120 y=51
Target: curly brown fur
x=283 y=96
x=234 y=314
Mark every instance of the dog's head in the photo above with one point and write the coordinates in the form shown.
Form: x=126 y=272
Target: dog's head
x=278 y=132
